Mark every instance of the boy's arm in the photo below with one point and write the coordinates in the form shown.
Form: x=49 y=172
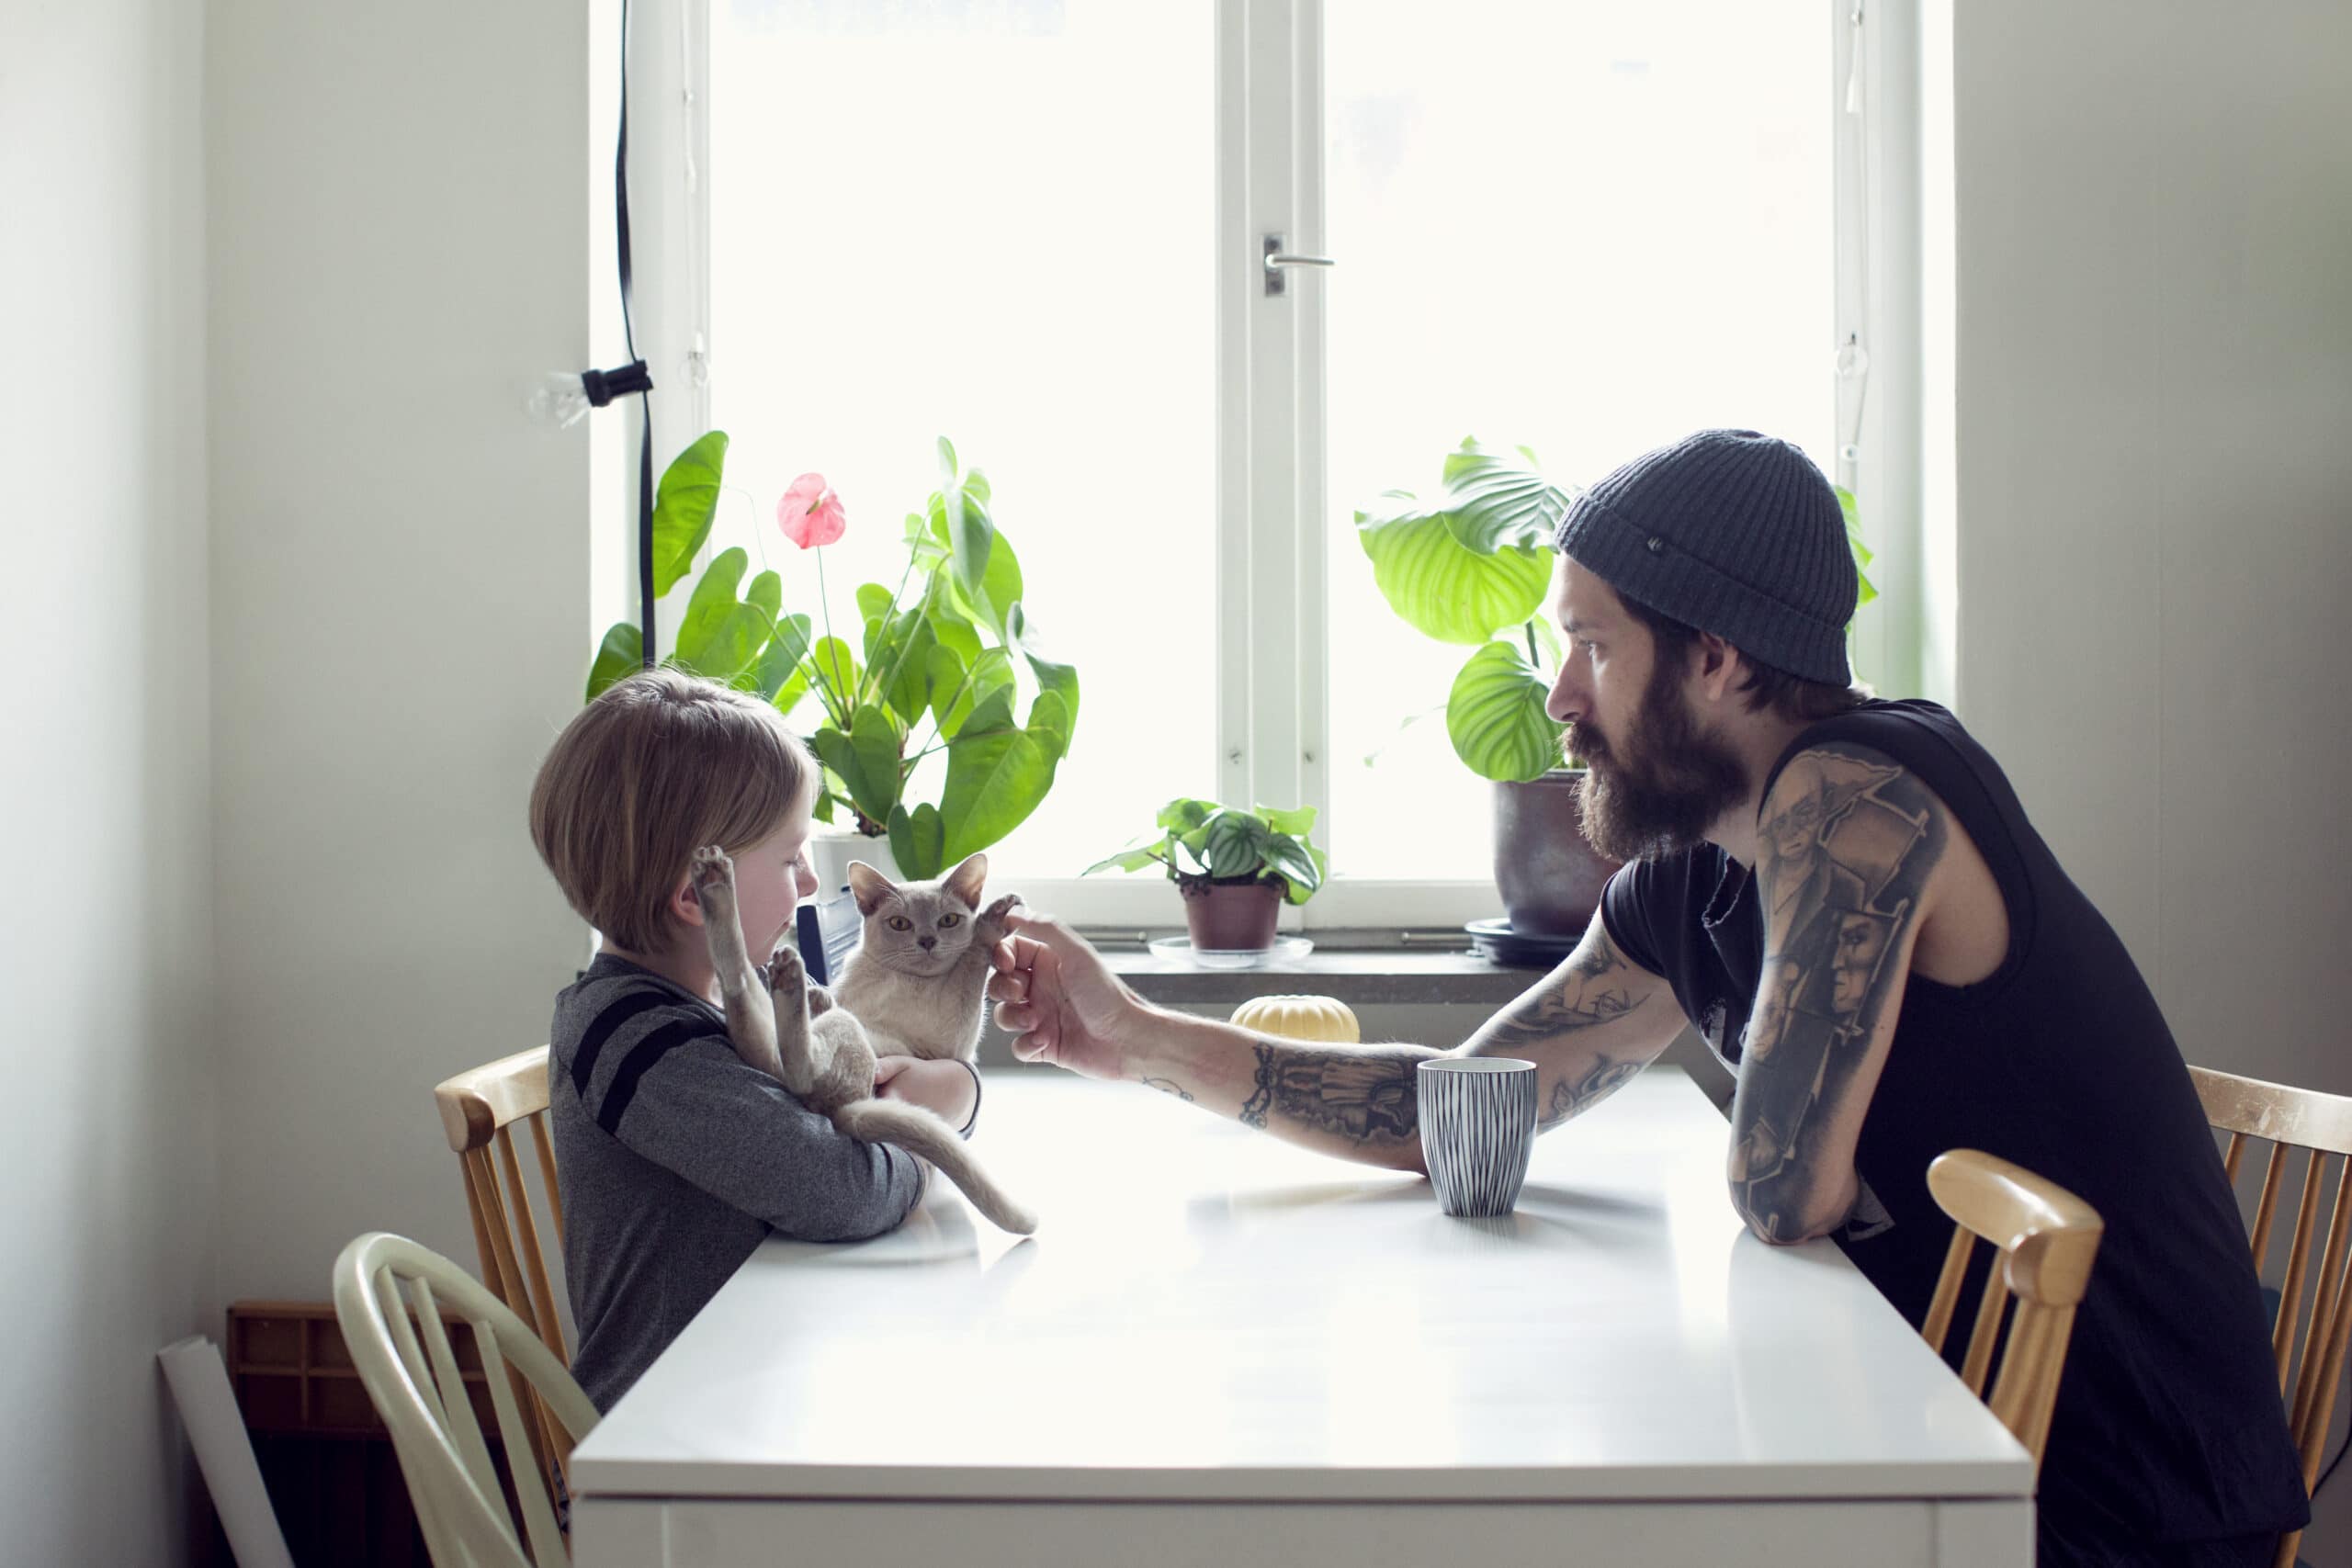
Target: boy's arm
x=695 y=1109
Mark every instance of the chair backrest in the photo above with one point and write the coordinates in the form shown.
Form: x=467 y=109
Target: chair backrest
x=2320 y=1125
x=2046 y=1238
x=478 y=1110
x=389 y=1295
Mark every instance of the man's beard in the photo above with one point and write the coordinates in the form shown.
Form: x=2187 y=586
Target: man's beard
x=1662 y=788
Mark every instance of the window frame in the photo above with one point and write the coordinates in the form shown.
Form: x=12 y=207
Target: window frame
x=1272 y=682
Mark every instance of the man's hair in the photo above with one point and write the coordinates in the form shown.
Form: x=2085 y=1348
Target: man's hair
x=657 y=766
x=1793 y=697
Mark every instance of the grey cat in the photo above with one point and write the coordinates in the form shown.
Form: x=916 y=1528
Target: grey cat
x=914 y=987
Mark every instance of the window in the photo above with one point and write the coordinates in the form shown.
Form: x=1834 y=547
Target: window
x=1037 y=228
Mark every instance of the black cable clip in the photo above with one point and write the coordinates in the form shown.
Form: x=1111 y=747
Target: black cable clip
x=604 y=386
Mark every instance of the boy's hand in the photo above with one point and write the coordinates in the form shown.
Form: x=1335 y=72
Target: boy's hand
x=943 y=1088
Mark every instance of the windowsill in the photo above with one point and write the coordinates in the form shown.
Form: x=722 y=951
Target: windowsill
x=1358 y=967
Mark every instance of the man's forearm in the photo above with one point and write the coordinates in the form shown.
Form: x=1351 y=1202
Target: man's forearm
x=1358 y=1102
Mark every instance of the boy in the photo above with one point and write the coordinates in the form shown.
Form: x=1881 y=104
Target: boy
x=675 y=1158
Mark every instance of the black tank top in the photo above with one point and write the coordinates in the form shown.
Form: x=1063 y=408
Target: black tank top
x=2169 y=1423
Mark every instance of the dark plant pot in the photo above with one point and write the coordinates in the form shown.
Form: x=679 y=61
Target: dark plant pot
x=1549 y=877
x=1231 y=917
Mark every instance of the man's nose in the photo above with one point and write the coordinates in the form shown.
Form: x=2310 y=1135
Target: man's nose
x=1565 y=702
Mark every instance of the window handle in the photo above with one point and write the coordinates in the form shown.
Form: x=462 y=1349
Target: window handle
x=1277 y=259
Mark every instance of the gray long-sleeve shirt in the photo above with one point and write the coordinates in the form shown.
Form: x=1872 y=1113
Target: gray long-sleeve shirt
x=675 y=1159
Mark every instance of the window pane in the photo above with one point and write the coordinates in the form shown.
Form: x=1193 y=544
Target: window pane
x=989 y=223
x=1588 y=228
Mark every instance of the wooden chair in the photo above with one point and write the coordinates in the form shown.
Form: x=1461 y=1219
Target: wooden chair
x=2322 y=1125
x=478 y=1110
x=421 y=1393
x=2047 y=1237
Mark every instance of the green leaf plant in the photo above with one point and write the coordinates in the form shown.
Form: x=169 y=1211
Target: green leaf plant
x=1471 y=567
x=1200 y=841
x=940 y=663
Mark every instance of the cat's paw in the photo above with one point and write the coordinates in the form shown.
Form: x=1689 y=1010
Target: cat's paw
x=989 y=925
x=787 y=976
x=711 y=875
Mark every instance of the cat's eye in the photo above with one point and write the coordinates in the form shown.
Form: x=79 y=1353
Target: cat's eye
x=946 y=921
x=900 y=923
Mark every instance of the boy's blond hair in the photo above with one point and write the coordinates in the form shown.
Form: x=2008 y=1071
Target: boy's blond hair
x=657 y=766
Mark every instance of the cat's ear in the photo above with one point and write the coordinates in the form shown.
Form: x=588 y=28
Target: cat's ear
x=966 y=880
x=869 y=886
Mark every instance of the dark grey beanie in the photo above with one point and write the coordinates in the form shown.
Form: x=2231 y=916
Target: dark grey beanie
x=1733 y=532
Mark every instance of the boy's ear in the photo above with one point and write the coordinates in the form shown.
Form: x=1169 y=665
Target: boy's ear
x=868 y=886
x=966 y=880
x=684 y=908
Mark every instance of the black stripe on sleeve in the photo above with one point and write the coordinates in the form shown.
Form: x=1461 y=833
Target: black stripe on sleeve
x=639 y=1061
x=631 y=1004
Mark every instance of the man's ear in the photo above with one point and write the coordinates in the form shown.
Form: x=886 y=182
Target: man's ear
x=1718 y=665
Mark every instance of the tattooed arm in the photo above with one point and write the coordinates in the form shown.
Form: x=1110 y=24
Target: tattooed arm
x=1589 y=1025
x=1849 y=845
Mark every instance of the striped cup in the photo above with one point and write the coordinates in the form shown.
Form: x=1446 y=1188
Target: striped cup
x=1478 y=1130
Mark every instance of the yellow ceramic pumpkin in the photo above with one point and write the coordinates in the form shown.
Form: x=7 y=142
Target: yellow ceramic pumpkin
x=1300 y=1017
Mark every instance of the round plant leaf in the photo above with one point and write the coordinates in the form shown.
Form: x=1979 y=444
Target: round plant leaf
x=1495 y=716
x=1443 y=588
x=1496 y=500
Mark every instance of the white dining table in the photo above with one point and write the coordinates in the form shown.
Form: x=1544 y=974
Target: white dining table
x=1219 y=1348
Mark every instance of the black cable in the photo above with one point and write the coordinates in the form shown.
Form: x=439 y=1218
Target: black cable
x=644 y=391
x=2332 y=1464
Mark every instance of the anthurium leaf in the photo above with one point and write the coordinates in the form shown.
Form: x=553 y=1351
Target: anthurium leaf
x=916 y=841
x=976 y=483
x=867 y=759
x=1440 y=586
x=997 y=587
x=990 y=676
x=1495 y=716
x=684 y=503
x=992 y=712
x=905 y=680
x=834 y=672
x=1496 y=500
x=777 y=669
x=619 y=656
x=948 y=466
x=995 y=779
x=1049 y=722
x=951 y=618
x=874 y=601
x=720 y=636
x=1059 y=679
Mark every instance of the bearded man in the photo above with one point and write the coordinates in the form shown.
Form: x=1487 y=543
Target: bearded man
x=1845 y=896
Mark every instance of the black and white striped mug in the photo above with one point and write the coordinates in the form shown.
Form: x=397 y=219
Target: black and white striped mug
x=1478 y=1130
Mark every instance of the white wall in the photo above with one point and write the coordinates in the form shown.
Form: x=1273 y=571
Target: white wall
x=2154 y=493
x=2154 y=221
x=105 y=937
x=398 y=219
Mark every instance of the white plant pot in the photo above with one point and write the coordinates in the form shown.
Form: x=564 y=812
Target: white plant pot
x=831 y=848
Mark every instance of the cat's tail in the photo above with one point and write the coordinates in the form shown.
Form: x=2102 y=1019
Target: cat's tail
x=919 y=1133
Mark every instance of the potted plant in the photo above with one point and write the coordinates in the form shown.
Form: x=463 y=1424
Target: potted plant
x=939 y=668
x=1235 y=868
x=1472 y=567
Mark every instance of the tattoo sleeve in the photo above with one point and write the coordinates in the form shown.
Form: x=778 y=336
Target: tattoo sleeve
x=1362 y=1096
x=1847 y=844
x=1598 y=988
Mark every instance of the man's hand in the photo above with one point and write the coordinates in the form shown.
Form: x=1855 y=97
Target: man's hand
x=1060 y=1001
x=942 y=1086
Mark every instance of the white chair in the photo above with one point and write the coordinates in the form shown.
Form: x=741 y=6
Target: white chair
x=422 y=1395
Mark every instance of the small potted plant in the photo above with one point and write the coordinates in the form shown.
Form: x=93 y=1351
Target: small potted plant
x=1235 y=868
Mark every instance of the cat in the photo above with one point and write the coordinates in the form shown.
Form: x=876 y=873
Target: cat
x=821 y=1048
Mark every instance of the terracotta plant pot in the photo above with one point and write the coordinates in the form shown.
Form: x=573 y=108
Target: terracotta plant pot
x=1549 y=875
x=1231 y=917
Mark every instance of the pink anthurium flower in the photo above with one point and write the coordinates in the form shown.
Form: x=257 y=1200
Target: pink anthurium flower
x=810 y=514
